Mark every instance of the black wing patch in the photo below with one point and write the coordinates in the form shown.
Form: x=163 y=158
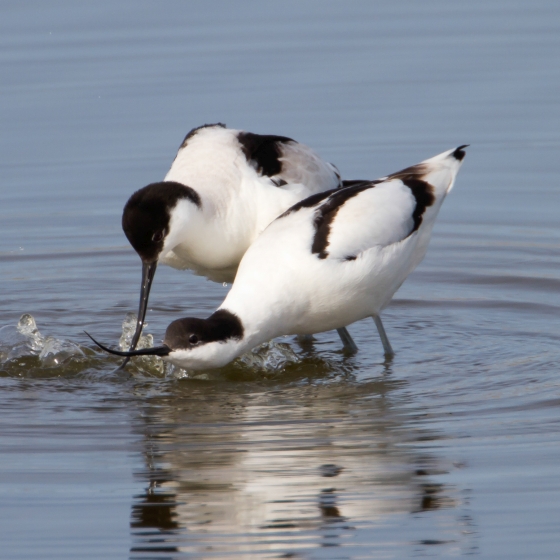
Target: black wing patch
x=412 y=177
x=423 y=192
x=326 y=213
x=263 y=151
x=191 y=133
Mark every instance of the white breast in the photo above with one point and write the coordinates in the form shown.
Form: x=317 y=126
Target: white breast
x=238 y=201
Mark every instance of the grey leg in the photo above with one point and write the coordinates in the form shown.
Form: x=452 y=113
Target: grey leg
x=383 y=336
x=349 y=344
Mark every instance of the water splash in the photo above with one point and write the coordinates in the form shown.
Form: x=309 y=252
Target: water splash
x=13 y=344
x=269 y=356
x=56 y=352
x=146 y=364
x=128 y=329
x=25 y=340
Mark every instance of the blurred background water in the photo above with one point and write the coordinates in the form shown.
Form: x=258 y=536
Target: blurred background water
x=451 y=449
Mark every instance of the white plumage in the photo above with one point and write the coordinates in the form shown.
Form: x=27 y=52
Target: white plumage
x=330 y=260
x=373 y=226
x=224 y=187
x=241 y=192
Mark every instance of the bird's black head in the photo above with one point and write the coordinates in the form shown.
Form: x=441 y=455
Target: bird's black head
x=188 y=342
x=146 y=223
x=187 y=333
x=147 y=214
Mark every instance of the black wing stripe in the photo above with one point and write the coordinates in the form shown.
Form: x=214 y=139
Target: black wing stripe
x=411 y=177
x=326 y=213
x=422 y=191
x=424 y=194
x=263 y=151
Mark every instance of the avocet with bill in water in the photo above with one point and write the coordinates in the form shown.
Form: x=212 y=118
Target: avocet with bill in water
x=338 y=257
x=224 y=187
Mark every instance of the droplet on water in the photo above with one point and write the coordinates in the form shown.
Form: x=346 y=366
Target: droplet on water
x=27 y=325
x=28 y=328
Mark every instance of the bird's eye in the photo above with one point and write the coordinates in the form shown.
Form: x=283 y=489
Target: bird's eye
x=158 y=236
x=193 y=339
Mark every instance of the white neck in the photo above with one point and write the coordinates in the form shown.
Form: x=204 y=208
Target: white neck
x=186 y=217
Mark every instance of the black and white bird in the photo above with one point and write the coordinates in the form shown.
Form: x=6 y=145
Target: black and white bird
x=224 y=187
x=337 y=257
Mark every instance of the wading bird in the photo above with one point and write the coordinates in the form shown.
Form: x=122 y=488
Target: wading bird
x=337 y=257
x=224 y=187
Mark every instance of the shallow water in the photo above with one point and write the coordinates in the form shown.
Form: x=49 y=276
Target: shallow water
x=304 y=452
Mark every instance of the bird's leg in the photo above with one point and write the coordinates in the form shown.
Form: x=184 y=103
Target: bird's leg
x=383 y=335
x=305 y=341
x=347 y=341
x=305 y=338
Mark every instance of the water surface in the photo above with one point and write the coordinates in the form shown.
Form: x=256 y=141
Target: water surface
x=303 y=452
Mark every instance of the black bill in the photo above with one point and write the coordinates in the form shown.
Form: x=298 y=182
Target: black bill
x=154 y=351
x=148 y=273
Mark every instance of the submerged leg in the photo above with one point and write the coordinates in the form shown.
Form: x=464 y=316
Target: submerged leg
x=349 y=344
x=383 y=336
x=305 y=338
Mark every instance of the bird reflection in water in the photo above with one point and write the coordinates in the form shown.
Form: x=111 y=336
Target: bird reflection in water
x=272 y=469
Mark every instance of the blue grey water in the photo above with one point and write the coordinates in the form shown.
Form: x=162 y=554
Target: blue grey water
x=451 y=449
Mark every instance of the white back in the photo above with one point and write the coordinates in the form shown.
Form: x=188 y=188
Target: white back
x=373 y=243
x=238 y=201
